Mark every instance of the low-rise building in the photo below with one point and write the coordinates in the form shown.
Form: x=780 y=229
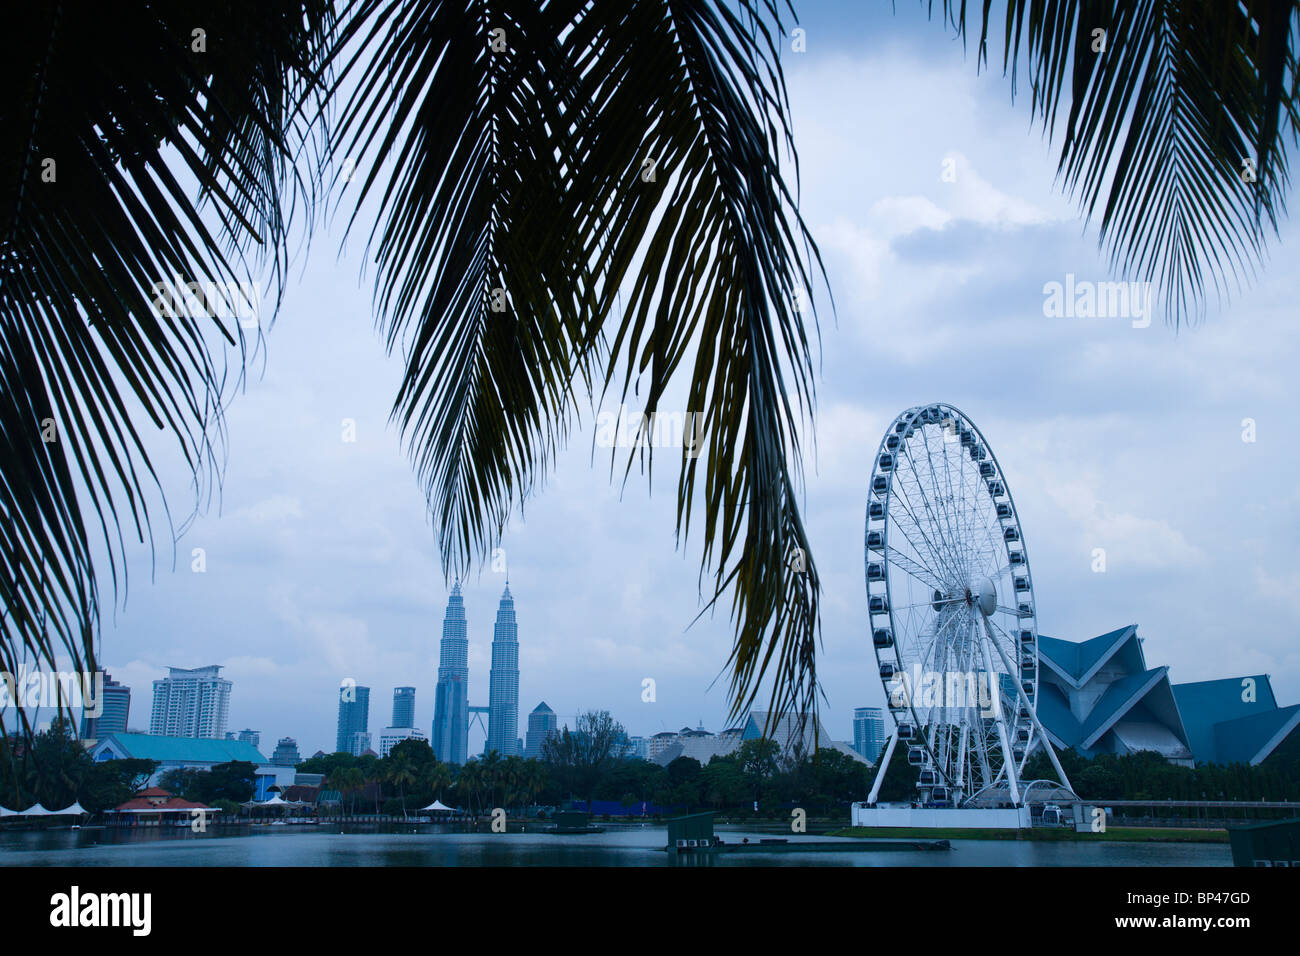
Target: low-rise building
x=198 y=753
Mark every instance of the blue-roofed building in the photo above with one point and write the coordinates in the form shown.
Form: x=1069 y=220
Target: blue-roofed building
x=1099 y=696
x=199 y=753
x=1235 y=720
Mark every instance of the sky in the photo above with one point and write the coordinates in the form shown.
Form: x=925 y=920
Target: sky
x=321 y=561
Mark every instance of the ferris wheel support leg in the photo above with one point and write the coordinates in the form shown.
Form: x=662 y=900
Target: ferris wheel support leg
x=1033 y=715
x=884 y=765
x=1008 y=762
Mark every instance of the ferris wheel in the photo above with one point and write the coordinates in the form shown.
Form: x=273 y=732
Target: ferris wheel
x=951 y=612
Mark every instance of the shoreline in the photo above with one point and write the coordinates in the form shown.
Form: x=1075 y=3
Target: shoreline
x=1063 y=834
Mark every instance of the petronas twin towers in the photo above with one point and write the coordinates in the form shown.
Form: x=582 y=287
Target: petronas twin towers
x=451 y=703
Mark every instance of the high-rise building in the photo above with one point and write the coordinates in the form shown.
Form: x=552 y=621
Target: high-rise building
x=191 y=703
x=114 y=707
x=285 y=753
x=354 y=717
x=869 y=732
x=503 y=690
x=253 y=737
x=541 y=724
x=403 y=707
x=451 y=700
x=358 y=743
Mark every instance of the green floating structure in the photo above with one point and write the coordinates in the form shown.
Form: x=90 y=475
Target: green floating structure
x=693 y=835
x=1266 y=844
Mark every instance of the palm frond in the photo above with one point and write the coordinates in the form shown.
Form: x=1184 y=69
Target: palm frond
x=1177 y=128
x=716 y=262
x=521 y=169
x=472 y=283
x=118 y=107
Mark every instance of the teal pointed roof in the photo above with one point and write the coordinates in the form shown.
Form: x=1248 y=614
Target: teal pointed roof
x=1077 y=661
x=171 y=749
x=1119 y=698
x=1054 y=712
x=1206 y=703
x=1250 y=740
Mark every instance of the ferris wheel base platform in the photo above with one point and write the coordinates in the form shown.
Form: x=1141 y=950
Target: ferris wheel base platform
x=1011 y=818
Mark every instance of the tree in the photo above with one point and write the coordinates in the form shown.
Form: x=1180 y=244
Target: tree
x=528 y=258
x=582 y=755
x=347 y=780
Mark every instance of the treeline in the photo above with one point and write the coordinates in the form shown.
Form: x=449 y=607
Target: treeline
x=53 y=769
x=1148 y=776
x=1140 y=776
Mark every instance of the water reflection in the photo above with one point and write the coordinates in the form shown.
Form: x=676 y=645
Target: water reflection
x=429 y=845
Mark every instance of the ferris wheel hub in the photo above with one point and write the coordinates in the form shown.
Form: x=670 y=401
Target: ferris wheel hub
x=987 y=597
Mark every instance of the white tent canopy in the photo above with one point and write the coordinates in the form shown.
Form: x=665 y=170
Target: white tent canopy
x=75 y=810
x=35 y=810
x=275 y=801
x=438 y=806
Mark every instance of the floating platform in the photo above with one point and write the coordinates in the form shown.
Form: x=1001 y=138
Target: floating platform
x=813 y=846
x=1017 y=818
x=568 y=822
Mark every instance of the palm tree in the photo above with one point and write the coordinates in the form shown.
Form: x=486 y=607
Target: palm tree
x=470 y=782
x=571 y=195
x=398 y=769
x=439 y=778
x=492 y=767
x=348 y=780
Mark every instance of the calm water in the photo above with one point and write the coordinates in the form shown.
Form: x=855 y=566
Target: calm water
x=436 y=846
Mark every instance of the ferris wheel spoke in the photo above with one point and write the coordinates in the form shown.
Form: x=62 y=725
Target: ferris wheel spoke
x=938 y=554
x=918 y=571
x=945 y=552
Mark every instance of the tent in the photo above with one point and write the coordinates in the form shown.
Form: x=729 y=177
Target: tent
x=438 y=807
x=75 y=810
x=6 y=812
x=275 y=801
x=36 y=810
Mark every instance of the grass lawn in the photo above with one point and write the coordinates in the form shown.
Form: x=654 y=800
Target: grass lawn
x=1120 y=834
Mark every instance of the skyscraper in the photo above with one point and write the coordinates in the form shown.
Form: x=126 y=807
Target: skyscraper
x=115 y=708
x=191 y=703
x=541 y=724
x=869 y=732
x=403 y=707
x=451 y=700
x=503 y=690
x=286 y=753
x=354 y=717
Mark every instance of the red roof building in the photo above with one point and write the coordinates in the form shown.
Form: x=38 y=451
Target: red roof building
x=156 y=800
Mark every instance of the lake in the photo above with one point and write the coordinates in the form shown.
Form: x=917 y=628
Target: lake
x=431 y=845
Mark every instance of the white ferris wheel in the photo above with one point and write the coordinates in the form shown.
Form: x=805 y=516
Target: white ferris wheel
x=951 y=612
